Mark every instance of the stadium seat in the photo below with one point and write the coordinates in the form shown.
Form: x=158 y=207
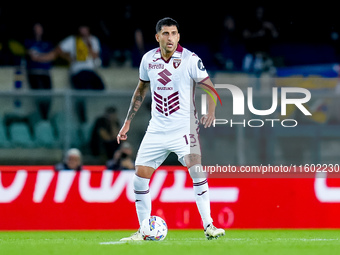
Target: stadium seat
x=59 y=126
x=86 y=132
x=4 y=143
x=20 y=135
x=57 y=122
x=76 y=135
x=44 y=134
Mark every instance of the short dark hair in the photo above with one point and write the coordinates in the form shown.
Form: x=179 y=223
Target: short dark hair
x=166 y=22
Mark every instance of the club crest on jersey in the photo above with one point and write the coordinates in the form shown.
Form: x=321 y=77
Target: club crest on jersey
x=176 y=62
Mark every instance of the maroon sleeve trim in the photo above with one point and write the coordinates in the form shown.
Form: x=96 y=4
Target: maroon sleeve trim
x=143 y=80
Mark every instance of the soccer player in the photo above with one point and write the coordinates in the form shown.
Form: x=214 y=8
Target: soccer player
x=171 y=72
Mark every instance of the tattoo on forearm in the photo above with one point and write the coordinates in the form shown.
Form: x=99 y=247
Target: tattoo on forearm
x=136 y=102
x=134 y=107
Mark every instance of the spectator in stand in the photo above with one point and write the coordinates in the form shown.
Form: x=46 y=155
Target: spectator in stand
x=258 y=36
x=72 y=161
x=122 y=159
x=38 y=72
x=104 y=133
x=82 y=52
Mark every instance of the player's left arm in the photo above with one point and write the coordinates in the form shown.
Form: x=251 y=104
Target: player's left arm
x=208 y=119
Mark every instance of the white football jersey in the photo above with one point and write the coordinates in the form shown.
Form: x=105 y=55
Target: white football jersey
x=172 y=87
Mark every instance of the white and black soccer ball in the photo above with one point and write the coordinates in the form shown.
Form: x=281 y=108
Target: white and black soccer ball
x=154 y=229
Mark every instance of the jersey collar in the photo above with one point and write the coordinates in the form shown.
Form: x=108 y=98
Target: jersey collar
x=176 y=54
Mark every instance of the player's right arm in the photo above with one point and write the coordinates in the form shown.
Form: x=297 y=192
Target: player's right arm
x=136 y=102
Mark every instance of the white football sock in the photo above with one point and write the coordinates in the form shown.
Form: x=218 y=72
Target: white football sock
x=201 y=190
x=142 y=198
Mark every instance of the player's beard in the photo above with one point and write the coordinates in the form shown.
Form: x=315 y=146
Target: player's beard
x=170 y=47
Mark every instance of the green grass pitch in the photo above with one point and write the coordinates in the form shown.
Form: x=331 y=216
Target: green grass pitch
x=177 y=242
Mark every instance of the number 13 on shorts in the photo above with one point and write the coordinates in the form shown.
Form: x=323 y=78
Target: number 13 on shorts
x=194 y=143
x=192 y=139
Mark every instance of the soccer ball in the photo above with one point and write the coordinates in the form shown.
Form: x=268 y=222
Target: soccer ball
x=154 y=229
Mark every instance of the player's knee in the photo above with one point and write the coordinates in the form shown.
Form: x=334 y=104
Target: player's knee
x=144 y=171
x=196 y=172
x=192 y=160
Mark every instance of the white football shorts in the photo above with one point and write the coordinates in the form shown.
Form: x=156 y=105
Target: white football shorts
x=156 y=146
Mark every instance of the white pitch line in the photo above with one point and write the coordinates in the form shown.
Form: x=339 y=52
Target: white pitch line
x=111 y=243
x=286 y=239
x=312 y=239
x=244 y=239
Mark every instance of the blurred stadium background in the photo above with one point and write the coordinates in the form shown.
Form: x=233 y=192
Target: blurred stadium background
x=305 y=53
